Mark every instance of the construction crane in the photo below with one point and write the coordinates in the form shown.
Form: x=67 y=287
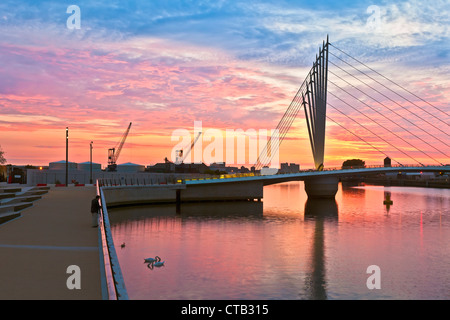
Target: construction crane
x=180 y=157
x=114 y=153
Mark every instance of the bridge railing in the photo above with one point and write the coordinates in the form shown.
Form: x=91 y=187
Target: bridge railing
x=111 y=182
x=224 y=176
x=108 y=182
x=376 y=166
x=114 y=282
x=143 y=181
x=255 y=174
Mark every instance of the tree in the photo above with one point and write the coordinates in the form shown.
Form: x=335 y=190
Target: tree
x=2 y=157
x=353 y=163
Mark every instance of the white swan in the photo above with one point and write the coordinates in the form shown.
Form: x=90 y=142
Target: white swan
x=158 y=263
x=151 y=260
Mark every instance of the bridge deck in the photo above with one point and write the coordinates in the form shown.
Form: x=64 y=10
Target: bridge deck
x=279 y=178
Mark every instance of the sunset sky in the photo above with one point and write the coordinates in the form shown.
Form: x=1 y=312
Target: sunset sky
x=231 y=64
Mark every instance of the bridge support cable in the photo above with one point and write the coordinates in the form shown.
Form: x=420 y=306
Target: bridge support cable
x=395 y=102
x=382 y=104
x=431 y=105
x=314 y=87
x=312 y=96
x=281 y=130
x=377 y=123
x=384 y=116
x=368 y=143
x=360 y=138
x=375 y=134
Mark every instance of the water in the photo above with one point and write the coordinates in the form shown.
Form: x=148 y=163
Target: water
x=289 y=248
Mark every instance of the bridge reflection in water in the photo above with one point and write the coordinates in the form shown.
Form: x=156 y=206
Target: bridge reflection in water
x=318 y=183
x=288 y=247
x=226 y=209
x=320 y=212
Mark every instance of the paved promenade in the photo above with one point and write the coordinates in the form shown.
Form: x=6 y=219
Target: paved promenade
x=37 y=248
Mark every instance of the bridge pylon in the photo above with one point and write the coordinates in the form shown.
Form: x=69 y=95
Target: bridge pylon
x=314 y=102
x=315 y=105
x=312 y=96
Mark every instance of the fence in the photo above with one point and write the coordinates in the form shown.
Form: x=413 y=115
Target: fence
x=115 y=285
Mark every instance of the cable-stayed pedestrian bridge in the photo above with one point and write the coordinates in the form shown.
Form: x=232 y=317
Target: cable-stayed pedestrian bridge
x=308 y=174
x=399 y=125
x=411 y=129
x=318 y=184
x=245 y=187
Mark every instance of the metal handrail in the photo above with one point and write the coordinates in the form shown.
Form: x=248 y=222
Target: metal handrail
x=114 y=280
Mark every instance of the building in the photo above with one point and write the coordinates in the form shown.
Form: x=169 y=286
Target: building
x=13 y=174
x=289 y=168
x=130 y=167
x=217 y=166
x=3 y=173
x=244 y=170
x=387 y=162
x=86 y=166
x=61 y=165
x=221 y=167
x=191 y=168
x=295 y=168
x=170 y=167
x=161 y=168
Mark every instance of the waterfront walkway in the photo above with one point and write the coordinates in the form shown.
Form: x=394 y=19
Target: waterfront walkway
x=37 y=248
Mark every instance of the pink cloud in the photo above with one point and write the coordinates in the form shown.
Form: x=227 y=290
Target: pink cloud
x=97 y=92
x=97 y=88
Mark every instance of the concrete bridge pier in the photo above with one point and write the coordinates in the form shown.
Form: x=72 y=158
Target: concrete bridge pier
x=321 y=187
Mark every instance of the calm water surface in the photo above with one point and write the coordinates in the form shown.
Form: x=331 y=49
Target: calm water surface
x=289 y=248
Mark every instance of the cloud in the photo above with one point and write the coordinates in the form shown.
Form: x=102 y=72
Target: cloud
x=157 y=84
x=164 y=64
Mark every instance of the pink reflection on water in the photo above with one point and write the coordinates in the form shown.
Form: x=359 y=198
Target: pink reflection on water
x=286 y=247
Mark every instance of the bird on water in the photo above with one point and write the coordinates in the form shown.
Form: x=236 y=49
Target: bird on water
x=154 y=262
x=155 y=259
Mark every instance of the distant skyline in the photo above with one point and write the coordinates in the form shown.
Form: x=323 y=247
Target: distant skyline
x=230 y=64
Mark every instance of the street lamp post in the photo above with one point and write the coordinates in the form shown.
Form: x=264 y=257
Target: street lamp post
x=91 y=163
x=67 y=156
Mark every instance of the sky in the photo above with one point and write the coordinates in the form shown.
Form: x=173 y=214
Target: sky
x=163 y=65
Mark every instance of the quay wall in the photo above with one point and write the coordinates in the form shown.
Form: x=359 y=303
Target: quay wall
x=178 y=193
x=129 y=195
x=236 y=190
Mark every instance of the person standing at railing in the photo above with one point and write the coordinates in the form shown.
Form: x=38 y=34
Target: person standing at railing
x=95 y=207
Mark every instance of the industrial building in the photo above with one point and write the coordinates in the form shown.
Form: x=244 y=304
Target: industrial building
x=130 y=167
x=86 y=166
x=61 y=165
x=289 y=168
x=170 y=167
